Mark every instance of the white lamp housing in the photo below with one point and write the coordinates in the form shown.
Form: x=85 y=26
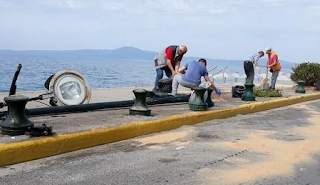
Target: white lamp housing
x=69 y=87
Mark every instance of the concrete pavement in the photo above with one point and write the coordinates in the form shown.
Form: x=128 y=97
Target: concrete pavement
x=117 y=94
x=75 y=122
x=278 y=146
x=81 y=130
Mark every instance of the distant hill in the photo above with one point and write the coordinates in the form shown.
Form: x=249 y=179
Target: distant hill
x=120 y=53
x=128 y=53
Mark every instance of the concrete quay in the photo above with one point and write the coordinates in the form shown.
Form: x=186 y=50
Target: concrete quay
x=81 y=130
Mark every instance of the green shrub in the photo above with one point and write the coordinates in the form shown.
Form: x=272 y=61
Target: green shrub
x=269 y=93
x=309 y=72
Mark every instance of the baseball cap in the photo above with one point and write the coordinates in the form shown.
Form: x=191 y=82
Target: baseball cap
x=268 y=49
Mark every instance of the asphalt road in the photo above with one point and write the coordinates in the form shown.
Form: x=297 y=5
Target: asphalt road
x=279 y=146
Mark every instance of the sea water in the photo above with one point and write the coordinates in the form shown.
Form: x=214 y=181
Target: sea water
x=100 y=73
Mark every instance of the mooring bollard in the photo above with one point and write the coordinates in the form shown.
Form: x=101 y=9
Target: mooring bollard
x=300 y=87
x=248 y=94
x=16 y=122
x=317 y=86
x=198 y=103
x=209 y=99
x=140 y=106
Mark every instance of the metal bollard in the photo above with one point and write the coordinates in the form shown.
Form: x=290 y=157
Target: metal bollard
x=300 y=87
x=198 y=103
x=209 y=100
x=16 y=122
x=140 y=106
x=248 y=94
x=317 y=86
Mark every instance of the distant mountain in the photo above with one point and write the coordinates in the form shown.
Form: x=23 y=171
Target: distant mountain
x=129 y=53
x=120 y=53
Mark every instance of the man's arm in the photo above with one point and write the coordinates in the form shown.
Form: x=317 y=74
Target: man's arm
x=274 y=61
x=182 y=70
x=255 y=62
x=177 y=66
x=218 y=91
x=256 y=66
x=207 y=79
x=170 y=67
x=170 y=54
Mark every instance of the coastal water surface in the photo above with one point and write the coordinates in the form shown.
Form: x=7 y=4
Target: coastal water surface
x=100 y=73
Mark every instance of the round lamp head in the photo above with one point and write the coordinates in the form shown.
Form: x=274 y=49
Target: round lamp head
x=70 y=88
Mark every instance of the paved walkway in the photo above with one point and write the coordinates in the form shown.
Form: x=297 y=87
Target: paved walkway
x=278 y=146
x=114 y=94
x=69 y=123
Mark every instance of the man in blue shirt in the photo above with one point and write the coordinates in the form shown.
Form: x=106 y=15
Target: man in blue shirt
x=190 y=76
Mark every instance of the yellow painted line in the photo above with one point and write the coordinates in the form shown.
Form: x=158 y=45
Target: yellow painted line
x=16 y=152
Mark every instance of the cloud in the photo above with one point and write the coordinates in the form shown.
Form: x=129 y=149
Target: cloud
x=137 y=6
x=221 y=26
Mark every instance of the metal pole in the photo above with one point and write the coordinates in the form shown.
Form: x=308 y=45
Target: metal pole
x=13 y=84
x=102 y=105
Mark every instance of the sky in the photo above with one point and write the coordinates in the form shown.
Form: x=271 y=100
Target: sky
x=217 y=29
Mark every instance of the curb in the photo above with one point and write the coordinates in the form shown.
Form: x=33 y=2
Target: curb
x=16 y=152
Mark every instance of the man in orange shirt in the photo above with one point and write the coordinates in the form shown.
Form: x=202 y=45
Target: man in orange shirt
x=274 y=65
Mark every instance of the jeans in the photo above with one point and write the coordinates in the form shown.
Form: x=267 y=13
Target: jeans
x=178 y=80
x=274 y=77
x=248 y=69
x=160 y=75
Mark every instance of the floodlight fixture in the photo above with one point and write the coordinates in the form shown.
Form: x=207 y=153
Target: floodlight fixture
x=68 y=87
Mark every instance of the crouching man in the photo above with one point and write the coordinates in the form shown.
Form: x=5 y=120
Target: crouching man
x=190 y=76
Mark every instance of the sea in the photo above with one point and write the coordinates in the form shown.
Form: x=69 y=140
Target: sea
x=99 y=72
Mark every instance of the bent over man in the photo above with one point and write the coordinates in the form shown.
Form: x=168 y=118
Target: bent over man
x=168 y=61
x=248 y=65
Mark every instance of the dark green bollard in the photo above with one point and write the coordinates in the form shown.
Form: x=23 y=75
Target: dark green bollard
x=248 y=94
x=198 y=103
x=140 y=104
x=300 y=87
x=16 y=122
x=317 y=86
x=209 y=100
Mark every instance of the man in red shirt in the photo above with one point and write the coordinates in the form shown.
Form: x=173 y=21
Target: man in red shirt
x=168 y=61
x=274 y=65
